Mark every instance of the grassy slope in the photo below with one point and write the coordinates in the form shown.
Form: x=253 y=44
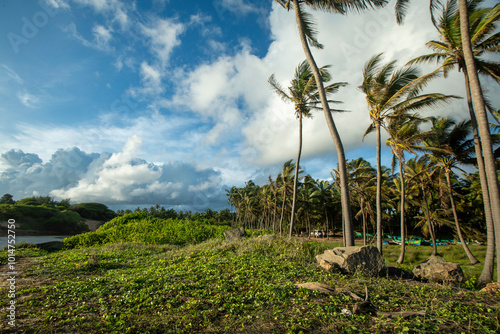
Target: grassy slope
x=212 y=287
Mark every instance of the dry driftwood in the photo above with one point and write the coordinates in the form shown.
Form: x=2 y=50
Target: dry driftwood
x=407 y=314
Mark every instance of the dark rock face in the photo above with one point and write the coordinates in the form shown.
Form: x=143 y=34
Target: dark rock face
x=366 y=260
x=236 y=234
x=436 y=269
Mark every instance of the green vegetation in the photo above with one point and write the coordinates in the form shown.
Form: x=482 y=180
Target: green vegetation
x=95 y=211
x=248 y=286
x=45 y=215
x=143 y=228
x=43 y=219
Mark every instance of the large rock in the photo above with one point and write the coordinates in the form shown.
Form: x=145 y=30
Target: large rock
x=366 y=260
x=491 y=288
x=436 y=269
x=235 y=234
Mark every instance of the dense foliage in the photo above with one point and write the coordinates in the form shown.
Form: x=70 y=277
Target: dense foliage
x=269 y=205
x=43 y=219
x=95 y=211
x=143 y=228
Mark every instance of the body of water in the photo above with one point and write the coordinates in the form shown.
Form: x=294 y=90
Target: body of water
x=36 y=239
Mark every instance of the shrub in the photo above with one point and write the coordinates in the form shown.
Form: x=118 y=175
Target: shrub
x=139 y=227
x=95 y=211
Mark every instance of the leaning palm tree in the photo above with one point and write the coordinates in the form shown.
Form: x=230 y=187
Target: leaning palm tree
x=479 y=104
x=404 y=135
x=307 y=36
x=390 y=90
x=449 y=52
x=303 y=92
x=448 y=147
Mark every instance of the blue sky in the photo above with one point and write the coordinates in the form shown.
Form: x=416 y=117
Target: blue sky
x=133 y=103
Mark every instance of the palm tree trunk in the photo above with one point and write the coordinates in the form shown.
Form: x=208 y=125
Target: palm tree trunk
x=402 y=209
x=489 y=262
x=363 y=215
x=482 y=119
x=344 y=190
x=296 y=177
x=283 y=206
x=467 y=251
x=379 y=190
x=429 y=223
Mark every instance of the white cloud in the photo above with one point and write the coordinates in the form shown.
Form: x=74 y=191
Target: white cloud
x=12 y=74
x=114 y=8
x=164 y=36
x=118 y=178
x=102 y=36
x=28 y=100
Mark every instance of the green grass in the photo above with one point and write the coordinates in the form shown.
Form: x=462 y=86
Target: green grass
x=245 y=287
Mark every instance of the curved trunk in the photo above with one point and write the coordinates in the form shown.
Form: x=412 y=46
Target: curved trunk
x=283 y=206
x=429 y=223
x=296 y=177
x=484 y=131
x=379 y=190
x=467 y=251
x=403 y=226
x=489 y=262
x=344 y=190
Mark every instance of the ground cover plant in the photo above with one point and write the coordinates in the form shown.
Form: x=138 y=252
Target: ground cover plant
x=141 y=227
x=212 y=286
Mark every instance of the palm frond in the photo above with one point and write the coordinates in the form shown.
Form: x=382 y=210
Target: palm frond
x=485 y=25
x=344 y=6
x=278 y=89
x=401 y=8
x=309 y=29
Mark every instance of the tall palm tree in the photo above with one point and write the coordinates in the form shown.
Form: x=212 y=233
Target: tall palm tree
x=448 y=146
x=307 y=36
x=285 y=178
x=420 y=172
x=390 y=90
x=449 y=52
x=361 y=178
x=303 y=92
x=480 y=109
x=404 y=135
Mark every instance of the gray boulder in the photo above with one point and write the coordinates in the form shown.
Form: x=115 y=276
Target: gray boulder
x=366 y=260
x=436 y=269
x=236 y=234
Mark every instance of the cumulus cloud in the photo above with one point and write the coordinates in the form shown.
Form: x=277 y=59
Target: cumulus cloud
x=118 y=178
x=164 y=36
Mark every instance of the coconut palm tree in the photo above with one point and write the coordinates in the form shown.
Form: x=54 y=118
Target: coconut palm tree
x=404 y=135
x=448 y=146
x=303 y=92
x=420 y=174
x=390 y=90
x=307 y=36
x=480 y=107
x=285 y=177
x=449 y=52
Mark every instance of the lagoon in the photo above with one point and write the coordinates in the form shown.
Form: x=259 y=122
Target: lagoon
x=36 y=239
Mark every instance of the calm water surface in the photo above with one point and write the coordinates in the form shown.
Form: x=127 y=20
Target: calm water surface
x=36 y=239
